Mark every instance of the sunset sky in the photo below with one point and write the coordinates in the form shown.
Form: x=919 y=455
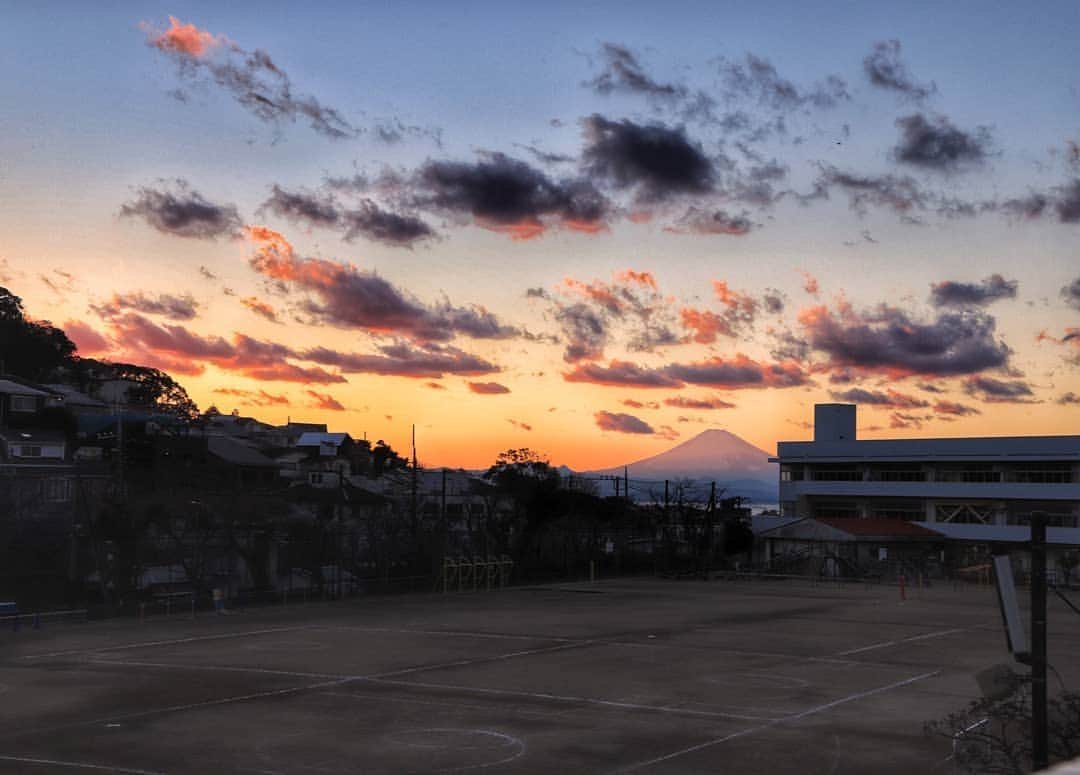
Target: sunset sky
x=567 y=226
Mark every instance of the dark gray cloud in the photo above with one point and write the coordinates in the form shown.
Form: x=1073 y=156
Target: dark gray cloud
x=366 y=220
x=621 y=374
x=622 y=72
x=343 y=295
x=1068 y=399
x=935 y=144
x=506 y=194
x=251 y=77
x=698 y=221
x=757 y=79
x=954 y=409
x=885 y=70
x=889 y=341
x=682 y=402
x=956 y=294
x=1071 y=293
x=1034 y=205
x=585 y=330
x=999 y=391
x=738 y=372
x=1068 y=202
x=175 y=208
x=888 y=398
x=1064 y=200
x=901 y=194
x=654 y=161
x=622 y=423
x=165 y=304
x=404 y=360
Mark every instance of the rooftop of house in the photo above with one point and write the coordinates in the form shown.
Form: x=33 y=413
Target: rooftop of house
x=312 y=439
x=19 y=388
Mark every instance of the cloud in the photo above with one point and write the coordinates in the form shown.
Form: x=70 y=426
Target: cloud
x=402 y=360
x=738 y=372
x=1070 y=398
x=621 y=374
x=886 y=71
x=901 y=194
x=632 y=304
x=367 y=219
x=756 y=78
x=890 y=398
x=698 y=221
x=507 y=195
x=938 y=145
x=656 y=162
x=810 y=284
x=955 y=409
x=955 y=294
x=253 y=397
x=1071 y=293
x=88 y=340
x=519 y=424
x=352 y=298
x=175 y=208
x=704 y=325
x=622 y=423
x=242 y=355
x=999 y=391
x=1063 y=199
x=166 y=305
x=324 y=401
x=260 y=308
x=640 y=404
x=887 y=340
x=251 y=77
x=623 y=72
x=488 y=388
x=435 y=385
x=907 y=420
x=1068 y=202
x=698 y=403
x=207 y=274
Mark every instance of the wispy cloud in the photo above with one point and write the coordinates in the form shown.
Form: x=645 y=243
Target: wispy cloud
x=173 y=207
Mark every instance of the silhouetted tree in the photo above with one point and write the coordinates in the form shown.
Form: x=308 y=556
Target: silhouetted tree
x=28 y=348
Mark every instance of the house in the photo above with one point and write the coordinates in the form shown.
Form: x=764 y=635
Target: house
x=975 y=492
x=20 y=401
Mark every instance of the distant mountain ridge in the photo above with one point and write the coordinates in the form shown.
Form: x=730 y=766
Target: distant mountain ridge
x=714 y=455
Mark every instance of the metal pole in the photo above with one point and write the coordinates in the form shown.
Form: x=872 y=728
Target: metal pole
x=1039 y=742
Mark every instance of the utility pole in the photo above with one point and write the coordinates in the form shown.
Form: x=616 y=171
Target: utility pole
x=1039 y=742
x=414 y=517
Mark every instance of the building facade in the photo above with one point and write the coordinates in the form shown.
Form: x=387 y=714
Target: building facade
x=975 y=490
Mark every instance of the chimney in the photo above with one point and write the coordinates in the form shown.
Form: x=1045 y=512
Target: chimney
x=834 y=422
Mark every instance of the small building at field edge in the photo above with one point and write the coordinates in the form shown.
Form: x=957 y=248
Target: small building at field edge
x=973 y=492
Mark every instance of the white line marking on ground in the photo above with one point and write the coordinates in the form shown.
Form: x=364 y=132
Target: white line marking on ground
x=871 y=647
x=78 y=765
x=912 y=639
x=171 y=642
x=216 y=668
x=452 y=633
x=573 y=699
x=804 y=714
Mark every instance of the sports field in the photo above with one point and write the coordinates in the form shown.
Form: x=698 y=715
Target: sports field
x=642 y=676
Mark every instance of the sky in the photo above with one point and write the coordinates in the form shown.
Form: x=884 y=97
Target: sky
x=591 y=229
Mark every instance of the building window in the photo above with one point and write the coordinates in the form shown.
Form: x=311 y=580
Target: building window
x=1043 y=473
x=898 y=474
x=23 y=404
x=911 y=512
x=789 y=473
x=837 y=509
x=837 y=474
x=976 y=474
x=26 y=450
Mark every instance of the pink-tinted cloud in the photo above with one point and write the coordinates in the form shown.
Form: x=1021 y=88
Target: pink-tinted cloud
x=704 y=325
x=955 y=409
x=622 y=423
x=89 y=341
x=621 y=374
x=260 y=308
x=324 y=401
x=698 y=403
x=253 y=397
x=488 y=388
x=403 y=360
x=810 y=284
x=183 y=38
x=352 y=298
